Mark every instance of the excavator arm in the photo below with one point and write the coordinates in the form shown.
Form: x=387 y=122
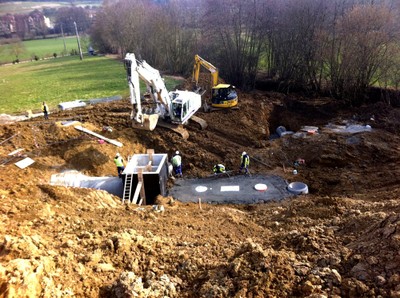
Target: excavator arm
x=198 y=63
x=135 y=71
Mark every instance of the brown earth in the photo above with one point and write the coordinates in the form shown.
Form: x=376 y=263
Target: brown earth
x=341 y=240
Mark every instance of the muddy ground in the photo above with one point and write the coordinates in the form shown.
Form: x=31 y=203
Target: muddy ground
x=341 y=240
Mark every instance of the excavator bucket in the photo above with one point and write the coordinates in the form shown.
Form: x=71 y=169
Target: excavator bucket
x=149 y=122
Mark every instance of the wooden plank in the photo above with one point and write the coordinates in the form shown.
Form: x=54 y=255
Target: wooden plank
x=142 y=193
x=150 y=152
x=116 y=143
x=9 y=138
x=16 y=152
x=226 y=173
x=257 y=160
x=5 y=161
x=147 y=168
x=137 y=191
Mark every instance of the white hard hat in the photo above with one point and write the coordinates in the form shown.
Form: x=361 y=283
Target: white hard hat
x=117 y=154
x=177 y=152
x=244 y=153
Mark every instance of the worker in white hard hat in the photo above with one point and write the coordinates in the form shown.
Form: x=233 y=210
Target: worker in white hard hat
x=177 y=164
x=119 y=162
x=244 y=163
x=219 y=168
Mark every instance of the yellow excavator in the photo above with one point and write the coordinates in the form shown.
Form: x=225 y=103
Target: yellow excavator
x=222 y=95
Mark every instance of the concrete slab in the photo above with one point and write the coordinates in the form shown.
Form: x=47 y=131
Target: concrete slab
x=230 y=190
x=26 y=162
x=104 y=99
x=68 y=105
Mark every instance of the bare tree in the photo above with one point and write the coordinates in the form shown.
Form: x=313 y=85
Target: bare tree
x=342 y=45
x=236 y=30
x=365 y=37
x=294 y=42
x=161 y=33
x=120 y=25
x=17 y=48
x=177 y=35
x=66 y=16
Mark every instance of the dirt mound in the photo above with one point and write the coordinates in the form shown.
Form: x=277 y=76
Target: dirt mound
x=251 y=271
x=339 y=241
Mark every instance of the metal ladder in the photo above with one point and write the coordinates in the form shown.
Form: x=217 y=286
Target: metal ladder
x=127 y=188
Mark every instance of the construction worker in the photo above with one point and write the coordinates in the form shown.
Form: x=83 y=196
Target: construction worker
x=45 y=109
x=119 y=162
x=177 y=164
x=219 y=168
x=244 y=163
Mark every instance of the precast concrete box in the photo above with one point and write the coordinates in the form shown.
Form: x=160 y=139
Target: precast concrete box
x=154 y=168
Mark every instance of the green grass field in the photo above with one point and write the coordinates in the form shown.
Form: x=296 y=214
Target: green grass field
x=43 y=48
x=24 y=86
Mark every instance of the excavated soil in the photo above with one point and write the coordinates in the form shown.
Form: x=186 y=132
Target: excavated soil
x=341 y=240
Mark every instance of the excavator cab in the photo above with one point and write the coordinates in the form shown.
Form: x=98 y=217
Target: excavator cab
x=177 y=110
x=224 y=96
x=180 y=109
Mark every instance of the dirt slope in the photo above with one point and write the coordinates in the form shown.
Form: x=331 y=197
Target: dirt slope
x=342 y=240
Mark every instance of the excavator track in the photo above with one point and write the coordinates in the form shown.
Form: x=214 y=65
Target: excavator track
x=203 y=124
x=176 y=128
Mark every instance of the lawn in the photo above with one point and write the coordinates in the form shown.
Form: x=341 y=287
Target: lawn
x=42 y=48
x=24 y=86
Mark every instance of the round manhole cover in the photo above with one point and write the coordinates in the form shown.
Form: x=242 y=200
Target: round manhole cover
x=260 y=187
x=201 y=188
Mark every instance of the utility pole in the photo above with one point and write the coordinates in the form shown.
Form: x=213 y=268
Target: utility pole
x=79 y=43
x=62 y=33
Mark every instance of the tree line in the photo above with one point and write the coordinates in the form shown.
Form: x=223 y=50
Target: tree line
x=341 y=47
x=338 y=46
